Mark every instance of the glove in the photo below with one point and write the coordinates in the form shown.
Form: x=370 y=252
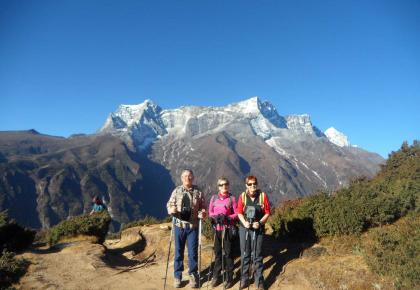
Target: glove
x=221 y=218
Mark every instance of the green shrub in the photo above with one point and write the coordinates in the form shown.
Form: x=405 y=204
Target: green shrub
x=393 y=193
x=92 y=225
x=11 y=269
x=293 y=221
x=336 y=215
x=395 y=251
x=147 y=220
x=13 y=237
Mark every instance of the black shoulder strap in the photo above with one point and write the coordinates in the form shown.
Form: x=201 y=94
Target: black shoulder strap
x=212 y=199
x=232 y=211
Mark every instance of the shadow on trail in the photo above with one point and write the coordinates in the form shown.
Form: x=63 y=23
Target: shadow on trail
x=115 y=257
x=43 y=248
x=277 y=254
x=280 y=254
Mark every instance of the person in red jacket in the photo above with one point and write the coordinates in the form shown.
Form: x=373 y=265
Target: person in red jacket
x=253 y=212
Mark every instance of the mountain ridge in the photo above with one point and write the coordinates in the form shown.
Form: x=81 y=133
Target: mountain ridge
x=146 y=122
x=135 y=160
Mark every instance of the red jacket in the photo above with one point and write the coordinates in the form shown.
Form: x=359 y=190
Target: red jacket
x=265 y=206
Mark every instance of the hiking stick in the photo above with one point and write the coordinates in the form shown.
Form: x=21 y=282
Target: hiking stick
x=246 y=242
x=169 y=251
x=223 y=253
x=251 y=270
x=254 y=250
x=199 y=254
x=211 y=261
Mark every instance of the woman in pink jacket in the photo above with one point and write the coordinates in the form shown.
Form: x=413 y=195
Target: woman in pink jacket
x=223 y=213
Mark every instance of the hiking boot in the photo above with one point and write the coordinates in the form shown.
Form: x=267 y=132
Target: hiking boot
x=229 y=281
x=244 y=284
x=215 y=281
x=260 y=286
x=194 y=280
x=177 y=282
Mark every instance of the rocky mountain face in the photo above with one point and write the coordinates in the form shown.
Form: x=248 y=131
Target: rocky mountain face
x=289 y=155
x=46 y=179
x=136 y=158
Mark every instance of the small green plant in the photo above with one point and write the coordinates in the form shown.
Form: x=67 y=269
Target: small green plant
x=13 y=237
x=11 y=269
x=293 y=221
x=91 y=225
x=147 y=220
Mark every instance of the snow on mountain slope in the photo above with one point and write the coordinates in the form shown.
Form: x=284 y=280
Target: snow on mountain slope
x=337 y=137
x=144 y=123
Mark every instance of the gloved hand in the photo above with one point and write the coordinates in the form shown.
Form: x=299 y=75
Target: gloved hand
x=221 y=218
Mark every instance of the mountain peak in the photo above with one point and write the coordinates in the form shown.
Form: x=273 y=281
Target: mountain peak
x=248 y=106
x=337 y=137
x=146 y=122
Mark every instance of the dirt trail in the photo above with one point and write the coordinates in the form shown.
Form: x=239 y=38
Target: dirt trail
x=138 y=261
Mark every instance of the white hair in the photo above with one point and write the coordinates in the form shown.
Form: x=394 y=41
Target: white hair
x=187 y=171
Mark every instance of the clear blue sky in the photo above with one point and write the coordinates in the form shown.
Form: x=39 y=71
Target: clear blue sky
x=353 y=65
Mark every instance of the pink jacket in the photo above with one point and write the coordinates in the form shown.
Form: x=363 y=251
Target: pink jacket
x=222 y=205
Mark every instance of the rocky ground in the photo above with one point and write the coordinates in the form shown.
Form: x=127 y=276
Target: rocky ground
x=138 y=261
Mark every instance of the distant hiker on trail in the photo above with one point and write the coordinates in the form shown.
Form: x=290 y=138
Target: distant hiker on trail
x=187 y=205
x=253 y=212
x=98 y=205
x=223 y=213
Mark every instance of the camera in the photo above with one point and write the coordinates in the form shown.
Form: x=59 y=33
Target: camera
x=250 y=213
x=185 y=213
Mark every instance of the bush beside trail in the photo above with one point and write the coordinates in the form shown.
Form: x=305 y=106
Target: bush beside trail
x=11 y=269
x=13 y=238
x=147 y=220
x=392 y=194
x=395 y=251
x=91 y=225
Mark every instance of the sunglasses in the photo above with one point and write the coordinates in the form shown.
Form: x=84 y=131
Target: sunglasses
x=251 y=184
x=224 y=184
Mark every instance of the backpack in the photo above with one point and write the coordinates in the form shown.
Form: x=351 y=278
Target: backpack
x=261 y=199
x=186 y=208
x=232 y=230
x=98 y=207
x=230 y=204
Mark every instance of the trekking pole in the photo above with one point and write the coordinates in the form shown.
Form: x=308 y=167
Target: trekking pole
x=199 y=253
x=250 y=271
x=169 y=251
x=246 y=243
x=254 y=250
x=211 y=262
x=223 y=253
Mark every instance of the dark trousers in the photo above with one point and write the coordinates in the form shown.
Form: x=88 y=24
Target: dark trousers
x=251 y=242
x=228 y=260
x=182 y=236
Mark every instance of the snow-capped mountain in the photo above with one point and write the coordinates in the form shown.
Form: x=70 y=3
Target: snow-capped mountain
x=289 y=154
x=146 y=122
x=136 y=159
x=337 y=137
x=141 y=123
